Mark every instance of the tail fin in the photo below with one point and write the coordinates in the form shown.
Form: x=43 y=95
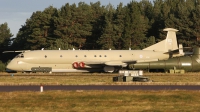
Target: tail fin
x=169 y=44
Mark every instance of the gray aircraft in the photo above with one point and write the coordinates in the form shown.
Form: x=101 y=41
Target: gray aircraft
x=189 y=63
x=92 y=60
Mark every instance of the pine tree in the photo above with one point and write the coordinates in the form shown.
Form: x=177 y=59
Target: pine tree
x=196 y=23
x=97 y=21
x=5 y=43
x=36 y=33
x=107 y=39
x=118 y=22
x=62 y=23
x=156 y=20
x=136 y=27
x=5 y=36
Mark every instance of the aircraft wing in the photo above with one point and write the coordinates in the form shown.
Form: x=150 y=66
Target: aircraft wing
x=115 y=63
x=108 y=63
x=123 y=63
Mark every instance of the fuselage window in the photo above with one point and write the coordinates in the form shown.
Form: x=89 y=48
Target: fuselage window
x=95 y=55
x=85 y=56
x=61 y=56
x=105 y=56
x=45 y=56
x=120 y=55
x=99 y=55
x=76 y=56
x=22 y=56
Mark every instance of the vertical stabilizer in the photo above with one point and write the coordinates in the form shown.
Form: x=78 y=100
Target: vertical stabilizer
x=169 y=44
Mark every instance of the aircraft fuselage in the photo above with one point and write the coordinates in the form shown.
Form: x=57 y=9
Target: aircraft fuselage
x=93 y=60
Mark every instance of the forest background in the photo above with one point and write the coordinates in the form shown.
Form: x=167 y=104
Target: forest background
x=92 y=26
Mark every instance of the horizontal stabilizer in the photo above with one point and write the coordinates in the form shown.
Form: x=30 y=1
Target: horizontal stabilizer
x=179 y=52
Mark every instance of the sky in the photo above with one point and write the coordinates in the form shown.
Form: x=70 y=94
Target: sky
x=15 y=12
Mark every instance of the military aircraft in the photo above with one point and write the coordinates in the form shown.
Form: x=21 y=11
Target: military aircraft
x=92 y=60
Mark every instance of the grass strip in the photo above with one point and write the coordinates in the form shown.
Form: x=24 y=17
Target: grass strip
x=98 y=101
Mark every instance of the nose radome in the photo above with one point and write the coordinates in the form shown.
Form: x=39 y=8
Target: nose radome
x=12 y=66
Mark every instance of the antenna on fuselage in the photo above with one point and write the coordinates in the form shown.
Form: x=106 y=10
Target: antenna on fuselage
x=42 y=49
x=59 y=49
x=73 y=49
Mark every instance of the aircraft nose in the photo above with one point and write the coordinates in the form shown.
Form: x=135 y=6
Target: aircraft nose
x=11 y=66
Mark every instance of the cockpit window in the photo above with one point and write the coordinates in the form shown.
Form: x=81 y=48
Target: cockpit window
x=20 y=56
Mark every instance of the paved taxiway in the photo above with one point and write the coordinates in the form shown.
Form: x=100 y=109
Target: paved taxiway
x=99 y=87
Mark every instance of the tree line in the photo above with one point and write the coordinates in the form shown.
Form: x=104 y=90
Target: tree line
x=135 y=25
